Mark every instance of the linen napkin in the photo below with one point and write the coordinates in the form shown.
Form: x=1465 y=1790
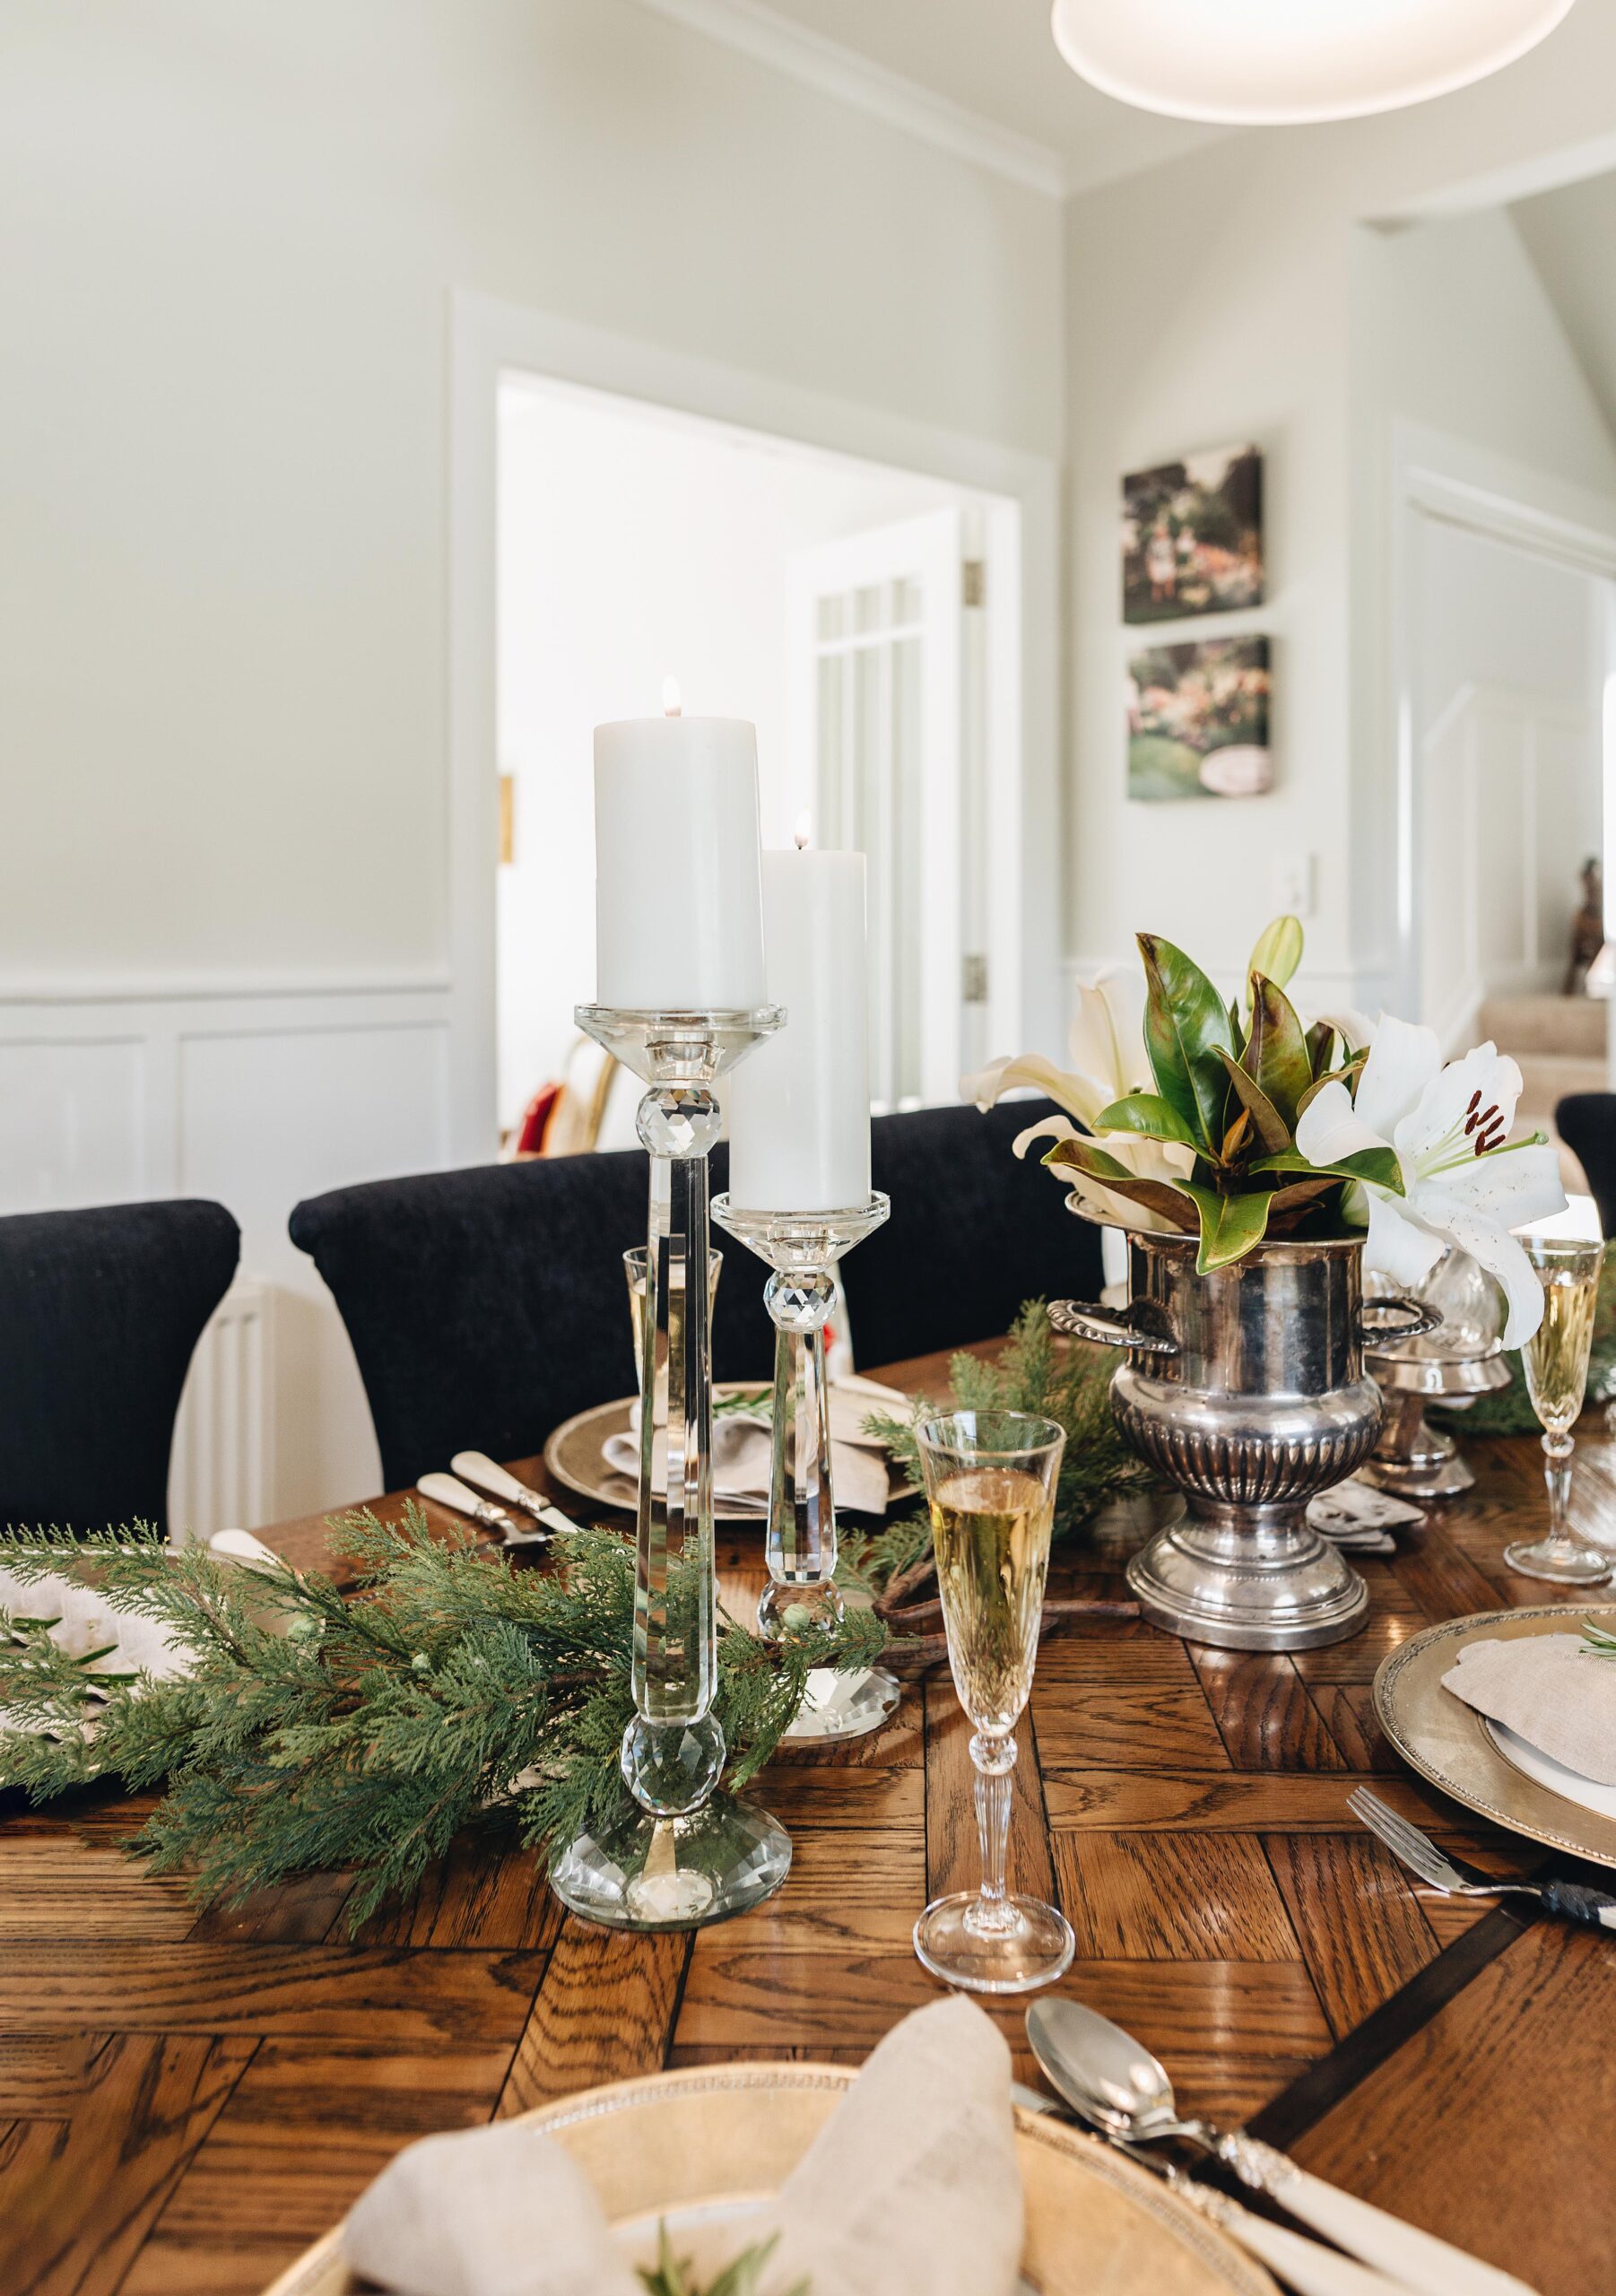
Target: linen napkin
x=1545 y=1689
x=911 y=2188
x=1357 y=1516
x=742 y=1447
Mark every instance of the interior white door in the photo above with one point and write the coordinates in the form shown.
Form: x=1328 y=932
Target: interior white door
x=876 y=672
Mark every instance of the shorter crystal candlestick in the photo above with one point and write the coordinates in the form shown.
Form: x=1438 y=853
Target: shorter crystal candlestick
x=803 y=1249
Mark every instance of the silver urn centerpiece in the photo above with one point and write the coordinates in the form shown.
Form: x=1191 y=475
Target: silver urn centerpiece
x=1245 y=1387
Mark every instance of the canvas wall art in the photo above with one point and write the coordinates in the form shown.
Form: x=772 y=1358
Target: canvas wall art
x=1192 y=535
x=1198 y=720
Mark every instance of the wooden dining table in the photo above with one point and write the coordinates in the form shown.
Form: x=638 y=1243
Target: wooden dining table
x=189 y=2099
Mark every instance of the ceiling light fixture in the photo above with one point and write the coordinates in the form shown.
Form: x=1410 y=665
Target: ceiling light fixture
x=1249 y=63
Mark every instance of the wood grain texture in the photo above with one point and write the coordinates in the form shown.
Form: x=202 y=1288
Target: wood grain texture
x=1488 y=2127
x=187 y=2097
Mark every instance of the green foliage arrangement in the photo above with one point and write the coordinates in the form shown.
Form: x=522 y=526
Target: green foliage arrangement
x=1507 y=1411
x=744 y=2277
x=1595 y=1643
x=316 y=1731
x=1231 y=1081
x=1034 y=1372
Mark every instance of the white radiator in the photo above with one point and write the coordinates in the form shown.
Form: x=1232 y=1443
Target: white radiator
x=221 y=1476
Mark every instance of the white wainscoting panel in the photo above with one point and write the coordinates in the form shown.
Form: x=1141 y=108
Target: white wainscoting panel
x=256 y=1096
x=72 y=1122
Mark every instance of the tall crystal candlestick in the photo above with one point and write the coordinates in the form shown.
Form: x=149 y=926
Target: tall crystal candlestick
x=690 y=1854
x=803 y=1249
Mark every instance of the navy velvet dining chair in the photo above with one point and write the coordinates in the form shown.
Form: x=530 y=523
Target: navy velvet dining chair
x=1586 y=1123
x=100 y=1312
x=974 y=1233
x=486 y=1306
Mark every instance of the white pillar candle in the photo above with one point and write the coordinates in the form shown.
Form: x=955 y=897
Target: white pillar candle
x=678 y=896
x=799 y=1106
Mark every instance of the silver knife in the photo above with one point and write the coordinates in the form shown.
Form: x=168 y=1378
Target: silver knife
x=444 y=1490
x=488 y=1475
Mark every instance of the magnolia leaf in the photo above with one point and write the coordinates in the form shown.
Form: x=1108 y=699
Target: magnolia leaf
x=1149 y=1115
x=1234 y=1139
x=1276 y=1053
x=1230 y=1225
x=1296 y=1193
x=1344 y=1074
x=1379 y=1166
x=1160 y=1197
x=1186 y=1026
x=1271 y=1126
x=1278 y=951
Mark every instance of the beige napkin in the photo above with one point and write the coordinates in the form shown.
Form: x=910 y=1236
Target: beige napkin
x=487 y=2212
x=911 y=2188
x=1545 y=1689
x=742 y=1448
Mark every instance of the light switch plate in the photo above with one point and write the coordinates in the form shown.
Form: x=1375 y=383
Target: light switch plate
x=1293 y=882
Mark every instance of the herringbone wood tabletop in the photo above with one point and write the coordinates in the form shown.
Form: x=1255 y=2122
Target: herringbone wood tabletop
x=185 y=2102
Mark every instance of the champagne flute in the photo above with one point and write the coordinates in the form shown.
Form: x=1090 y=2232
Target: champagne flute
x=990 y=1487
x=1556 y=1361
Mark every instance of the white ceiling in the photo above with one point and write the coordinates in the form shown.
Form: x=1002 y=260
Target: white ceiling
x=991 y=60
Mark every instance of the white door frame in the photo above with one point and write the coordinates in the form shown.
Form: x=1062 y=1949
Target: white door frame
x=487 y=338
x=1437 y=476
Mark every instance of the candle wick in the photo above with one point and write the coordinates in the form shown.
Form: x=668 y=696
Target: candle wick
x=802 y=833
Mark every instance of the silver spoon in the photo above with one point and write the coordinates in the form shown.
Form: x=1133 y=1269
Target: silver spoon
x=1114 y=2082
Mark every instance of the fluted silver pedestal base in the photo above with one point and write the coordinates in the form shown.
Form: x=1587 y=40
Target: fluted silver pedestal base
x=1241 y=1584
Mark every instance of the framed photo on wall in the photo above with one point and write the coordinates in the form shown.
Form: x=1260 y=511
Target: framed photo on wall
x=1192 y=535
x=1198 y=720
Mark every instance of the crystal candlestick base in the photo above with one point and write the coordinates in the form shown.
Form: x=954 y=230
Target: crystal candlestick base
x=689 y=1854
x=801 y=1248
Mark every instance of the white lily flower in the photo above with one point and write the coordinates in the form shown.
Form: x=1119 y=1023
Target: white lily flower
x=1109 y=1061
x=1464 y=1182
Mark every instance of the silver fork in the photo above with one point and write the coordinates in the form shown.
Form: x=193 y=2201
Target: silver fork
x=1456 y=1878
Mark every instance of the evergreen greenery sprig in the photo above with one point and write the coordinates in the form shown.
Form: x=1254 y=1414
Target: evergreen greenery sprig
x=1595 y=1643
x=1034 y=1372
x=672 y=2276
x=314 y=1731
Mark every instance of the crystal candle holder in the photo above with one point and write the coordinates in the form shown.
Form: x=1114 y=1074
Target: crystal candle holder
x=801 y=1248
x=689 y=1854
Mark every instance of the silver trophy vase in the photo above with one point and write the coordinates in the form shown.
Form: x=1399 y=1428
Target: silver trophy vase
x=1245 y=1387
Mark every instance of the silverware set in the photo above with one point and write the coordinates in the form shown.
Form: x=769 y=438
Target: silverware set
x=1114 y=2083
x=1439 y=1869
x=535 y=1521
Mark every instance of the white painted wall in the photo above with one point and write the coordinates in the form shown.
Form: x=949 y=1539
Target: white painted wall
x=230 y=239
x=634 y=544
x=1221 y=296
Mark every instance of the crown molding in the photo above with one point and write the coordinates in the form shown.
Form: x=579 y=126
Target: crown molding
x=753 y=29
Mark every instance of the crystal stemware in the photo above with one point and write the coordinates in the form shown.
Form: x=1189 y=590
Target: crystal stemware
x=990 y=1480
x=1556 y=1364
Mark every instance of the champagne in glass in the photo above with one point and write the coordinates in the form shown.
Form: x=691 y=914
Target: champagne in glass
x=1556 y=1361
x=990 y=1488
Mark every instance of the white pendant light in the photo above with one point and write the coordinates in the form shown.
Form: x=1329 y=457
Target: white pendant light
x=1251 y=62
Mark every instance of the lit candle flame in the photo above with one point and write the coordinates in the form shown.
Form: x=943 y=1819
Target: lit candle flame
x=673 y=705
x=803 y=831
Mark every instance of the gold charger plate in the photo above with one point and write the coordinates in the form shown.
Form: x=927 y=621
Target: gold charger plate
x=702 y=2150
x=573 y=1455
x=1449 y=1743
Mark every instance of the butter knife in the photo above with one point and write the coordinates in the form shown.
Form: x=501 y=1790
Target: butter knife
x=476 y=1467
x=446 y=1491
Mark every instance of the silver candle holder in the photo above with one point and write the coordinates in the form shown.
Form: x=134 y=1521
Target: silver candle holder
x=801 y=1248
x=689 y=1854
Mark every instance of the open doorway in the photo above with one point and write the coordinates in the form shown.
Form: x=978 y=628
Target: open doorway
x=848 y=608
